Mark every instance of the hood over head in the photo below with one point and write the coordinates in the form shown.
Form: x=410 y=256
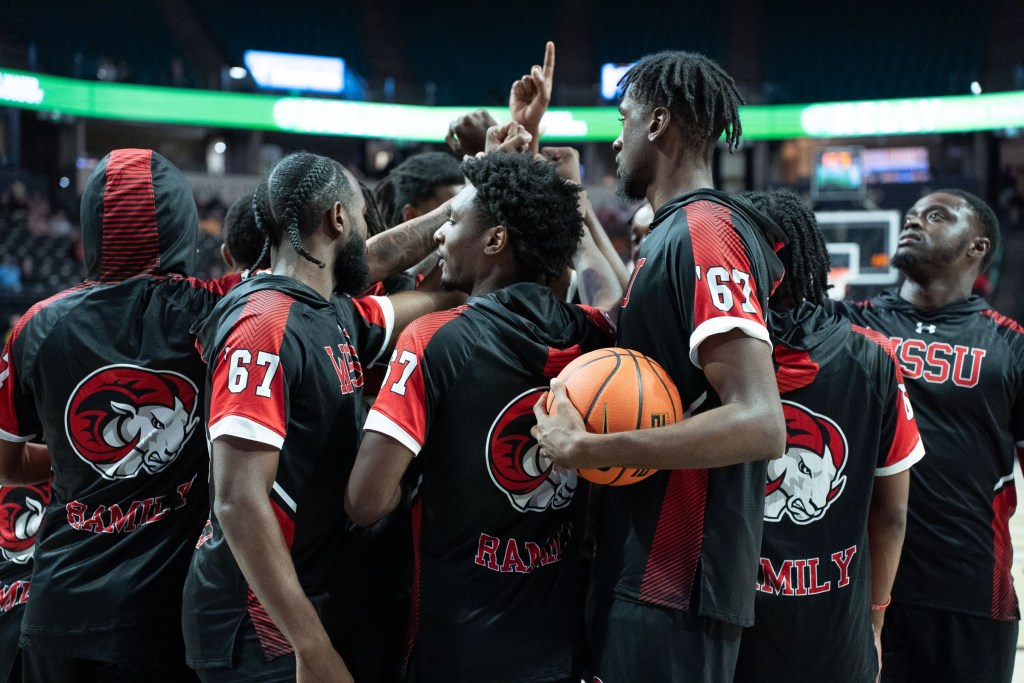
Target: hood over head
x=138 y=218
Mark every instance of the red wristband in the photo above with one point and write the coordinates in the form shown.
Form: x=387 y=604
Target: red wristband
x=879 y=608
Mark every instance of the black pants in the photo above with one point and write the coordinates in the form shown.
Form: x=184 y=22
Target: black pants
x=936 y=646
x=639 y=642
x=43 y=667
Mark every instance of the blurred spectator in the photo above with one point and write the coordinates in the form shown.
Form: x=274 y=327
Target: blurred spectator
x=38 y=215
x=60 y=226
x=211 y=217
x=10 y=275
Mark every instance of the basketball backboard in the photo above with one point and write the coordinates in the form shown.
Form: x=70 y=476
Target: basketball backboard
x=862 y=242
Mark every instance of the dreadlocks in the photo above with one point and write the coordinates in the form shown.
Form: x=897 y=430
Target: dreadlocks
x=805 y=257
x=695 y=89
x=293 y=198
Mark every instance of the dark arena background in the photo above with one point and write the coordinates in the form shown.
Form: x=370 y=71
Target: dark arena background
x=859 y=107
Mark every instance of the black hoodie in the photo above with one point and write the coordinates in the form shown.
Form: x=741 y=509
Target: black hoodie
x=964 y=368
x=496 y=548
x=108 y=374
x=846 y=423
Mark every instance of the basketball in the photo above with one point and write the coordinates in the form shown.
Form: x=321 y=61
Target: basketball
x=617 y=390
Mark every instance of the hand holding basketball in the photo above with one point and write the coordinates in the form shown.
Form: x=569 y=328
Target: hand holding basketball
x=608 y=390
x=557 y=431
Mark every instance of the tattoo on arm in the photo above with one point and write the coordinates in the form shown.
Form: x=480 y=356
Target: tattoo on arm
x=403 y=246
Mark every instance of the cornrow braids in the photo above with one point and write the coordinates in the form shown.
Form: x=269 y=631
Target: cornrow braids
x=695 y=89
x=294 y=197
x=298 y=199
x=806 y=256
x=374 y=217
x=265 y=251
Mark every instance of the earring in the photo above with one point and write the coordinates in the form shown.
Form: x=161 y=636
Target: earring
x=650 y=136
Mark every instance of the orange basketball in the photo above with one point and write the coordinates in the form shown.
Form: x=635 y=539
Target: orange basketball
x=618 y=390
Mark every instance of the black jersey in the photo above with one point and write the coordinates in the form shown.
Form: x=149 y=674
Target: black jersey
x=21 y=511
x=108 y=374
x=285 y=370
x=705 y=268
x=815 y=573
x=496 y=593
x=964 y=368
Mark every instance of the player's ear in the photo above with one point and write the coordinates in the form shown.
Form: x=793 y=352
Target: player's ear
x=335 y=223
x=225 y=254
x=658 y=125
x=979 y=247
x=409 y=212
x=497 y=240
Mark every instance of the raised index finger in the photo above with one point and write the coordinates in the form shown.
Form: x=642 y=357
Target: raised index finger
x=549 y=61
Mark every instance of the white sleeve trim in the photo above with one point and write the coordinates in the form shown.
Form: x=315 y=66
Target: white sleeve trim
x=1020 y=444
x=244 y=428
x=713 y=326
x=7 y=436
x=377 y=421
x=388 y=309
x=904 y=464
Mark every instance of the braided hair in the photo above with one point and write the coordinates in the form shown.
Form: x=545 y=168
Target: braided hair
x=375 y=223
x=695 y=89
x=805 y=257
x=293 y=198
x=535 y=205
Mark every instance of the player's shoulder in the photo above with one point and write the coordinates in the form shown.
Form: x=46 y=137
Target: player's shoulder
x=1004 y=324
x=873 y=352
x=439 y=327
x=42 y=316
x=247 y=315
x=1008 y=330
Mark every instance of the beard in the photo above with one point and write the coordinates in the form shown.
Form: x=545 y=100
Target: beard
x=629 y=187
x=909 y=259
x=351 y=273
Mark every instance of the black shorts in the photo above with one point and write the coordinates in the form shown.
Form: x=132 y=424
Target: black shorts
x=630 y=642
x=249 y=664
x=926 y=644
x=41 y=666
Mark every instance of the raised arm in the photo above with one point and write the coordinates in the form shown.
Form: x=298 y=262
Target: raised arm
x=467 y=133
x=405 y=245
x=598 y=283
x=530 y=96
x=243 y=473
x=604 y=244
x=747 y=426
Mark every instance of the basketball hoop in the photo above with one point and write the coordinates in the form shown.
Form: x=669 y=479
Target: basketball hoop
x=839 y=278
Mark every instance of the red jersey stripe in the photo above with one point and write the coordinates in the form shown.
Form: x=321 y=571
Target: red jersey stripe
x=272 y=641
x=671 y=564
x=259 y=329
x=131 y=245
